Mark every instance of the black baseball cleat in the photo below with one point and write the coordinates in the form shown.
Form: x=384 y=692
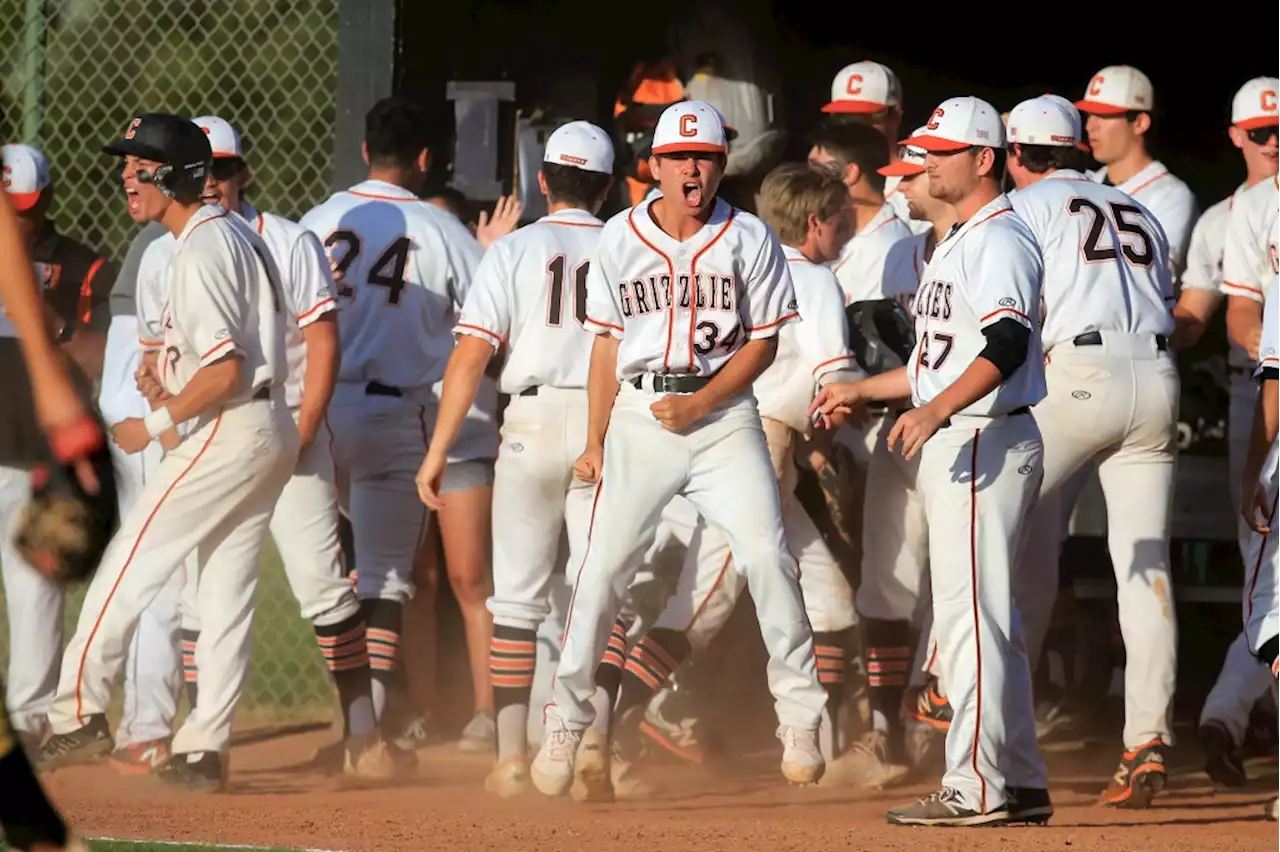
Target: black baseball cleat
x=1222 y=761
x=197 y=771
x=80 y=746
x=1029 y=804
x=944 y=809
x=1141 y=775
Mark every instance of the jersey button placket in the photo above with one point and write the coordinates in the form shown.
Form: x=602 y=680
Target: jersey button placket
x=679 y=321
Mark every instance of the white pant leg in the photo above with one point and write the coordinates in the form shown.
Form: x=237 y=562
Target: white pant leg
x=230 y=562
x=1242 y=681
x=35 y=608
x=708 y=588
x=895 y=535
x=196 y=487
x=550 y=633
x=1262 y=566
x=979 y=478
x=379 y=443
x=304 y=525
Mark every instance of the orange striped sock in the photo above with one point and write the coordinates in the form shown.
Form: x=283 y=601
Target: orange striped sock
x=512 y=653
x=346 y=655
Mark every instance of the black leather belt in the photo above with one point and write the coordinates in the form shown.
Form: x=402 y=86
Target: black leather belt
x=1024 y=409
x=262 y=393
x=1094 y=338
x=532 y=390
x=673 y=382
x=379 y=389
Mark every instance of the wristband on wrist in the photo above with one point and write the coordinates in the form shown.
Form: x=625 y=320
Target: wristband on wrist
x=158 y=422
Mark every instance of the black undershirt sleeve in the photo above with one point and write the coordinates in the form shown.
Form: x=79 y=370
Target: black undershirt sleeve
x=1007 y=342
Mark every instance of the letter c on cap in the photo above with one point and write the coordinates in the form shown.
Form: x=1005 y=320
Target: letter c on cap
x=689 y=124
x=1269 y=100
x=933 y=119
x=133 y=128
x=849 y=86
x=1095 y=85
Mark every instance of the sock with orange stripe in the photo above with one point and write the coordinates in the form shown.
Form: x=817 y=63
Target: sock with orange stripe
x=383 y=620
x=189 y=675
x=888 y=660
x=512 y=652
x=346 y=655
x=609 y=677
x=649 y=666
x=829 y=654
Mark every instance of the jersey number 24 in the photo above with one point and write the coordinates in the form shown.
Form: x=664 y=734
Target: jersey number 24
x=387 y=271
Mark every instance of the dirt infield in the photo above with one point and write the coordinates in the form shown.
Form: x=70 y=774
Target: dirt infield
x=272 y=800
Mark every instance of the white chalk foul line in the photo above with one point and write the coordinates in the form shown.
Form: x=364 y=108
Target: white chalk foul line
x=178 y=844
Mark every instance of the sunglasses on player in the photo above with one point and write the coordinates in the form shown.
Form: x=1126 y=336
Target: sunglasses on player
x=1261 y=135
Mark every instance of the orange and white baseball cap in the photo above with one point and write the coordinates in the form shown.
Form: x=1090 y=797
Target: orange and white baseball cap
x=910 y=159
x=960 y=123
x=1043 y=121
x=690 y=126
x=581 y=145
x=223 y=138
x=26 y=175
x=1117 y=89
x=1255 y=104
x=864 y=87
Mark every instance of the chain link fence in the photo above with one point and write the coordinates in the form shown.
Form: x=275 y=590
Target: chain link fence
x=72 y=75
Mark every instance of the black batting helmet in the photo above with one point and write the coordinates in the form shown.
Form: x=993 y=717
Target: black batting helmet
x=881 y=334
x=176 y=142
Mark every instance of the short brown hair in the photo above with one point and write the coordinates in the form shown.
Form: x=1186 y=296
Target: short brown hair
x=791 y=192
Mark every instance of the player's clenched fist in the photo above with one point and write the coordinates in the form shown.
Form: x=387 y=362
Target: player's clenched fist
x=677 y=412
x=428 y=480
x=589 y=464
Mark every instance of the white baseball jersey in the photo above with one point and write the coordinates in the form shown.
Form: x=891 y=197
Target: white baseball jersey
x=1204 y=253
x=151 y=293
x=308 y=293
x=224 y=297
x=861 y=266
x=987 y=269
x=903 y=267
x=1269 y=350
x=402 y=268
x=809 y=350
x=687 y=307
x=530 y=290
x=1106 y=260
x=1169 y=200
x=1249 y=252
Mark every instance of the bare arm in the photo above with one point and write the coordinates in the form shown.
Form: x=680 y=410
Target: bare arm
x=1191 y=316
x=208 y=389
x=602 y=388
x=979 y=379
x=738 y=373
x=87 y=348
x=1244 y=324
x=324 y=357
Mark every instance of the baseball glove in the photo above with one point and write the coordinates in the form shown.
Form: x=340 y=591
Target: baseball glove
x=65 y=529
x=881 y=334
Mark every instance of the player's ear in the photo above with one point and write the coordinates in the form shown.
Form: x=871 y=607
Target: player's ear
x=1142 y=123
x=1237 y=136
x=424 y=160
x=542 y=184
x=364 y=152
x=852 y=174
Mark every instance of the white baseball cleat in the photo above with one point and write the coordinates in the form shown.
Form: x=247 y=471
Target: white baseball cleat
x=627 y=784
x=552 y=769
x=508 y=778
x=592 y=781
x=802 y=761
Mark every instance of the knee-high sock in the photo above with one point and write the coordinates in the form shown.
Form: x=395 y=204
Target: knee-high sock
x=609 y=676
x=346 y=655
x=888 y=659
x=189 y=639
x=649 y=665
x=512 y=653
x=384 y=620
x=829 y=654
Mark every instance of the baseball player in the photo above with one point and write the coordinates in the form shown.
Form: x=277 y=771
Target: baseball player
x=1225 y=715
x=304 y=523
x=1113 y=393
x=685 y=295
x=529 y=293
x=27 y=818
x=223 y=365
x=975 y=371
x=809 y=211
x=75 y=281
x=869 y=93
x=1119 y=103
x=402 y=268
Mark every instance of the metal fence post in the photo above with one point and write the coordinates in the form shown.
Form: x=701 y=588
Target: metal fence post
x=33 y=43
x=367 y=50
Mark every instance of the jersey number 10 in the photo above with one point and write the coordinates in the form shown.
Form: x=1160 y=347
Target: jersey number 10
x=555 y=291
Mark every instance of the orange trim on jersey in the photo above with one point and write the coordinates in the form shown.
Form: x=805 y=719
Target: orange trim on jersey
x=482 y=330
x=671 y=283
x=203 y=221
x=550 y=221
x=830 y=361
x=1244 y=287
x=1005 y=311
x=779 y=321
x=1147 y=183
x=693 y=278
x=323 y=303
x=86 y=290
x=381 y=197
x=217 y=346
x=604 y=324
x=148 y=342
x=977 y=623
x=261 y=222
x=133 y=551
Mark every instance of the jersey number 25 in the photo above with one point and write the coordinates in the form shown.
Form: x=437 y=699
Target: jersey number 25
x=1139 y=253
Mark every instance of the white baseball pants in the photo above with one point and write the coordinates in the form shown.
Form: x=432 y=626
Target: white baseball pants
x=35 y=608
x=1116 y=403
x=1261 y=566
x=212 y=495
x=379 y=443
x=980 y=477
x=536 y=499
x=1243 y=678
x=722 y=465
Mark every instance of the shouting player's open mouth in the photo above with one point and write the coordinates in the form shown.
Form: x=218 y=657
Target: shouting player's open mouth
x=692 y=193
x=134 y=204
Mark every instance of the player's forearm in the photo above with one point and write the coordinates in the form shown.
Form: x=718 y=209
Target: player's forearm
x=461 y=384
x=979 y=379
x=1244 y=323
x=1191 y=316
x=1266 y=424
x=212 y=385
x=738 y=373
x=88 y=348
x=324 y=358
x=886 y=387
x=602 y=387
